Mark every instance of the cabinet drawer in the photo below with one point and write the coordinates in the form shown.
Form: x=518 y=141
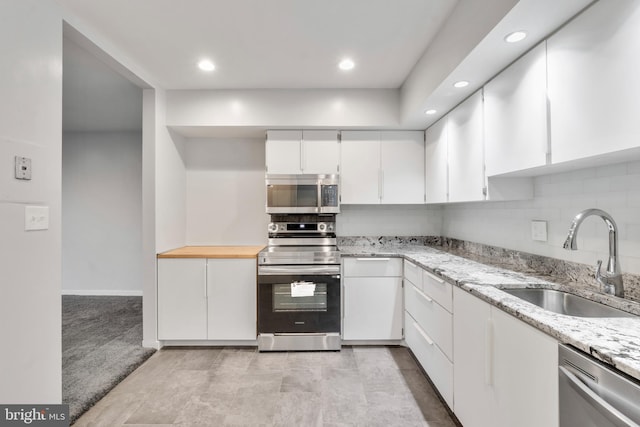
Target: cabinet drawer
x=434 y=362
x=438 y=289
x=434 y=320
x=372 y=267
x=413 y=273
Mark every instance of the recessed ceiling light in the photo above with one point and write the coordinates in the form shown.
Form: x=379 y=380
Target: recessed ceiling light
x=461 y=83
x=430 y=112
x=515 y=37
x=346 y=64
x=206 y=65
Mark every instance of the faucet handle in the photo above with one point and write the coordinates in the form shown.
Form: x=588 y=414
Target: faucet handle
x=598 y=267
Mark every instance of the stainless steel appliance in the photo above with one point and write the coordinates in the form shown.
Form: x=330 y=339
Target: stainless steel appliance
x=593 y=394
x=303 y=194
x=299 y=285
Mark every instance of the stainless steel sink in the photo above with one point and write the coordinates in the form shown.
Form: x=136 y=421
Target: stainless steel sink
x=567 y=304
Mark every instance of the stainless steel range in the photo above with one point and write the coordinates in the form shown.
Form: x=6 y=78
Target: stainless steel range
x=299 y=285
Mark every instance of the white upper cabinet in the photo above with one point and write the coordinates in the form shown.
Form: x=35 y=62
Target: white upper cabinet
x=283 y=150
x=515 y=115
x=297 y=152
x=466 y=151
x=593 y=74
x=382 y=167
x=360 y=160
x=436 y=162
x=402 y=165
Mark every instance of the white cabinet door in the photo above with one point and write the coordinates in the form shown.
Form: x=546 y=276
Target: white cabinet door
x=474 y=403
x=320 y=152
x=372 y=308
x=402 y=164
x=283 y=151
x=515 y=115
x=182 y=299
x=593 y=67
x=232 y=299
x=466 y=152
x=505 y=371
x=360 y=167
x=436 y=162
x=526 y=373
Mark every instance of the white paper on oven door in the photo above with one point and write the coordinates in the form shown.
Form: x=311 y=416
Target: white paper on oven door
x=303 y=289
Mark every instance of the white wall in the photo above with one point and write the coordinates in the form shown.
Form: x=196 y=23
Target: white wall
x=170 y=181
x=102 y=213
x=558 y=198
x=284 y=108
x=30 y=273
x=389 y=220
x=225 y=192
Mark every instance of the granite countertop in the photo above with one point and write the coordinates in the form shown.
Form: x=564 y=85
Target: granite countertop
x=615 y=341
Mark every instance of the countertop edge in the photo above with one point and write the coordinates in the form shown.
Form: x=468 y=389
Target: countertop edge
x=565 y=329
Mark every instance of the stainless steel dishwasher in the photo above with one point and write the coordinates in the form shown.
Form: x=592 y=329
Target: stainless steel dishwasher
x=594 y=395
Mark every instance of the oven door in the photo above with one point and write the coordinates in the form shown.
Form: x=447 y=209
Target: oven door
x=298 y=299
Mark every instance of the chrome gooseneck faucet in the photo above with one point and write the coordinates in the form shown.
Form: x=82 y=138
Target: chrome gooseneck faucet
x=611 y=280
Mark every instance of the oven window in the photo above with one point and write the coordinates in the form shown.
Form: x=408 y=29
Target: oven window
x=287 y=196
x=284 y=301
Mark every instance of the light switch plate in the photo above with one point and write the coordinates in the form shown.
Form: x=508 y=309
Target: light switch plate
x=36 y=218
x=23 y=168
x=539 y=230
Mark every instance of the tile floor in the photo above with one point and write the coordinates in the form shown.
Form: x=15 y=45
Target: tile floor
x=358 y=386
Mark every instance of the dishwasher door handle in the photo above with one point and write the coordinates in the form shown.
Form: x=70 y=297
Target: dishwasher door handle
x=605 y=408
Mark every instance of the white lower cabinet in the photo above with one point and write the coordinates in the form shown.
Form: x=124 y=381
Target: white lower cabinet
x=505 y=371
x=182 y=299
x=428 y=326
x=232 y=308
x=372 y=299
x=206 y=299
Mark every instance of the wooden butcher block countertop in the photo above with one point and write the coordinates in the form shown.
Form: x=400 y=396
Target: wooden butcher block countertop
x=213 y=252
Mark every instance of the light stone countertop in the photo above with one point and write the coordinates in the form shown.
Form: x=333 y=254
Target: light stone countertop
x=615 y=341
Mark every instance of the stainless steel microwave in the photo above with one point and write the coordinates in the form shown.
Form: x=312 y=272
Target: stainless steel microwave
x=302 y=194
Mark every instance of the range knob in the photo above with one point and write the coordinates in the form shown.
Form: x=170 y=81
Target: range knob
x=273 y=227
x=322 y=227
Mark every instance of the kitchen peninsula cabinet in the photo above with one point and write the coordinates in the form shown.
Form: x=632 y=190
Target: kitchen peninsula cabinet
x=593 y=68
x=515 y=115
x=302 y=152
x=382 y=167
x=207 y=293
x=372 y=289
x=505 y=371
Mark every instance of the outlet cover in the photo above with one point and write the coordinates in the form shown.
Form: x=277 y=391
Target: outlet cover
x=36 y=218
x=23 y=168
x=539 y=231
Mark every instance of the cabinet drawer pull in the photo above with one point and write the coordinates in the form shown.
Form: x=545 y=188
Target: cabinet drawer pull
x=422 y=294
x=373 y=259
x=435 y=278
x=423 y=333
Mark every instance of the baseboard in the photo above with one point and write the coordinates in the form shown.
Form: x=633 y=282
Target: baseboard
x=209 y=343
x=102 y=292
x=151 y=344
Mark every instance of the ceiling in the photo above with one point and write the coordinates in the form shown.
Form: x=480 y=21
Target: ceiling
x=269 y=44
x=418 y=47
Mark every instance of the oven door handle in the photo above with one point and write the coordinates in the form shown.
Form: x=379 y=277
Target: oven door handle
x=321 y=270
